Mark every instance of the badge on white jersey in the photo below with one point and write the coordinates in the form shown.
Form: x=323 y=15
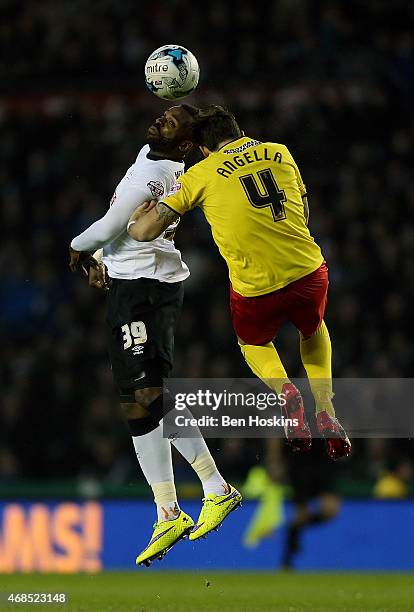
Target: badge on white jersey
x=156 y=188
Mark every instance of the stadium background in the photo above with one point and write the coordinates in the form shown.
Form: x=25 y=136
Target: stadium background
x=334 y=80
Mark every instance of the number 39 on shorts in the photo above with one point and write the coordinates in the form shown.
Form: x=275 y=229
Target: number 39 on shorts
x=134 y=333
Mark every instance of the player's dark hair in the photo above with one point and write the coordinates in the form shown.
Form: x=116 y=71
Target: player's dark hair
x=193 y=111
x=215 y=124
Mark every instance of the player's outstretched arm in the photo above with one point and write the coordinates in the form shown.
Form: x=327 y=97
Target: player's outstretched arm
x=109 y=227
x=150 y=220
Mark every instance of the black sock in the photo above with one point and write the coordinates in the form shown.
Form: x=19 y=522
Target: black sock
x=292 y=544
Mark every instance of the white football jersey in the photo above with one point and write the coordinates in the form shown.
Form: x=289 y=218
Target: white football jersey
x=125 y=257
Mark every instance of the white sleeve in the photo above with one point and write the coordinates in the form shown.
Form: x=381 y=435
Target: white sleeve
x=115 y=221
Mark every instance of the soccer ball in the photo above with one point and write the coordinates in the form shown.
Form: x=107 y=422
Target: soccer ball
x=171 y=72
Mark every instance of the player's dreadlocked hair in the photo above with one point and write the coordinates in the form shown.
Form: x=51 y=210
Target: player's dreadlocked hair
x=215 y=124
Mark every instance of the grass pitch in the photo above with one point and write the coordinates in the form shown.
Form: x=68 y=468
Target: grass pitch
x=144 y=591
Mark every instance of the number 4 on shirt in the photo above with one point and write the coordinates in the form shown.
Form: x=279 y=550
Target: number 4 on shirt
x=268 y=194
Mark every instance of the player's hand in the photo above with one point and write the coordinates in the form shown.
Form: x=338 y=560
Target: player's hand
x=142 y=210
x=74 y=259
x=82 y=260
x=98 y=277
x=147 y=206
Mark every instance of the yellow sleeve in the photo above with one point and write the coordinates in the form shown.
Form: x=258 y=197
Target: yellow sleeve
x=301 y=185
x=187 y=193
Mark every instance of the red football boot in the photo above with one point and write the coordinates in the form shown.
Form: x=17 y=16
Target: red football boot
x=298 y=436
x=337 y=442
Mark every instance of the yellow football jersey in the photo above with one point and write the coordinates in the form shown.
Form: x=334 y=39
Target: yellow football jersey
x=251 y=194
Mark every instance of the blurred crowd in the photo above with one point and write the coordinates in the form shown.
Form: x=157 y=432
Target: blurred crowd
x=334 y=80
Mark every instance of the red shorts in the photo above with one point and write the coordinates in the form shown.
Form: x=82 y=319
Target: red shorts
x=256 y=320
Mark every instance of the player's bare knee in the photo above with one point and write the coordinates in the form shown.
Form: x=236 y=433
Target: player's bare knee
x=152 y=405
x=145 y=397
x=330 y=506
x=133 y=410
x=138 y=414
